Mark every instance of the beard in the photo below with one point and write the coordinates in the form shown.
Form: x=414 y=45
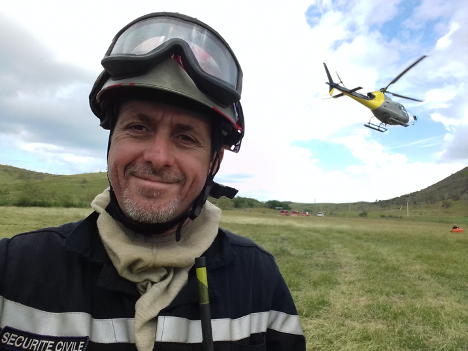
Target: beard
x=151 y=211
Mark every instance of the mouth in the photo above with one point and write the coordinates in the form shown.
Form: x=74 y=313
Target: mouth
x=151 y=187
x=150 y=176
x=152 y=179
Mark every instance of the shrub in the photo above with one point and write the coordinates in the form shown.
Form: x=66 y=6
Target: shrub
x=275 y=203
x=31 y=202
x=446 y=204
x=224 y=203
x=67 y=201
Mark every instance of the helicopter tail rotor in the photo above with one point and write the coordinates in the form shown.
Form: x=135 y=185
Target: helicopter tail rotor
x=341 y=82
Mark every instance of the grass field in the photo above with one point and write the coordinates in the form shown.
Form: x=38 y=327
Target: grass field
x=359 y=283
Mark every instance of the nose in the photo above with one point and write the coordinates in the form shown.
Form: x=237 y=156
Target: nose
x=159 y=152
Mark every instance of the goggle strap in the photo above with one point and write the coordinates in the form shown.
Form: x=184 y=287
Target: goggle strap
x=240 y=122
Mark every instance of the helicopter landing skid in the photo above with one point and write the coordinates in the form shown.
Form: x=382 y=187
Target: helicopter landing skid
x=379 y=128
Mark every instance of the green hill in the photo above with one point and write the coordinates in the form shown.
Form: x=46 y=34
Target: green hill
x=21 y=187
x=454 y=187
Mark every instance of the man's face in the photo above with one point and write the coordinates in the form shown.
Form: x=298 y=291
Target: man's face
x=159 y=159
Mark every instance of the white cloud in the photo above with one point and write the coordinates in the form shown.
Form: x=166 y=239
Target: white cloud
x=284 y=83
x=433 y=9
x=69 y=159
x=370 y=152
x=445 y=41
x=435 y=97
x=448 y=122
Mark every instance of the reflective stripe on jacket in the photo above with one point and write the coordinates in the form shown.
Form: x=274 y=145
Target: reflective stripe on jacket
x=60 y=291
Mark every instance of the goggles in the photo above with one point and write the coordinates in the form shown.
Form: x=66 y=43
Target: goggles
x=205 y=56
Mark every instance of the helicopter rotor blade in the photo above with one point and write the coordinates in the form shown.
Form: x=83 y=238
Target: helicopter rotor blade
x=402 y=73
x=404 y=97
x=340 y=79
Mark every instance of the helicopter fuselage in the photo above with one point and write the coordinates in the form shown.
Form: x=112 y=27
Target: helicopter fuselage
x=381 y=106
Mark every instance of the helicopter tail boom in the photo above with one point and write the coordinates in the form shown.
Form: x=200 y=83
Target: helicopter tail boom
x=343 y=90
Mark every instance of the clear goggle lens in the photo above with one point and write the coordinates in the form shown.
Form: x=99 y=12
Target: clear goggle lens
x=211 y=54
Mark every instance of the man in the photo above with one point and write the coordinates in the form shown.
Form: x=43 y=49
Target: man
x=123 y=278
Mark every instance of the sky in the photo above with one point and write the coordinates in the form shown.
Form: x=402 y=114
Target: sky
x=298 y=145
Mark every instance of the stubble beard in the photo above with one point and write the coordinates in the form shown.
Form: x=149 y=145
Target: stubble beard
x=149 y=210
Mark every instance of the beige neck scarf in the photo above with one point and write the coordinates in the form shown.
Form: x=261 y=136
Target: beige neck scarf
x=158 y=265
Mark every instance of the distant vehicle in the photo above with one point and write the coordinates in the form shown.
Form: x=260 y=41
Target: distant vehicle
x=456 y=229
x=284 y=212
x=320 y=214
x=294 y=213
x=305 y=214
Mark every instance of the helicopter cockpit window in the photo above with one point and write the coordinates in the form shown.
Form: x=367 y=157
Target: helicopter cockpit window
x=402 y=108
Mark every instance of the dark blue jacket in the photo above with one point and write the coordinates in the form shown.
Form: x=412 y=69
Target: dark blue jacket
x=60 y=291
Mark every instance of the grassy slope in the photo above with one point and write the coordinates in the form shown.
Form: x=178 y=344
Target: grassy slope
x=359 y=283
x=369 y=284
x=458 y=210
x=457 y=183
x=78 y=188
x=22 y=219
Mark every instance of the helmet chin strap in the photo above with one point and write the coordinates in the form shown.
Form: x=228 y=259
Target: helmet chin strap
x=114 y=210
x=211 y=188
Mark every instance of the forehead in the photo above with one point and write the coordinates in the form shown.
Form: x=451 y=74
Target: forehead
x=156 y=112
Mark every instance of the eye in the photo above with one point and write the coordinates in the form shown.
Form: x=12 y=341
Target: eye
x=137 y=128
x=186 y=139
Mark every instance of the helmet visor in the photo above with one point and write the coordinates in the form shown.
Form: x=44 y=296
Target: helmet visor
x=212 y=55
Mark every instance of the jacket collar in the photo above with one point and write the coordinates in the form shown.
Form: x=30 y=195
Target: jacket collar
x=84 y=239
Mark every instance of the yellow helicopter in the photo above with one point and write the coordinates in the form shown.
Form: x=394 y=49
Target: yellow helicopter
x=383 y=108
